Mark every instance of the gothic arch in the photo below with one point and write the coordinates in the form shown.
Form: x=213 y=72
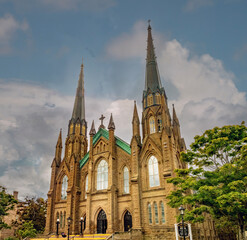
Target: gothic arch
x=98 y=161
x=126 y=225
x=145 y=169
x=96 y=213
x=146 y=152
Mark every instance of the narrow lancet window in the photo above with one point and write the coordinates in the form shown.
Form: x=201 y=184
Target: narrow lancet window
x=102 y=175
x=150 y=100
x=64 y=188
x=152 y=124
x=150 y=214
x=126 y=180
x=162 y=209
x=156 y=213
x=157 y=98
x=86 y=186
x=159 y=123
x=153 y=169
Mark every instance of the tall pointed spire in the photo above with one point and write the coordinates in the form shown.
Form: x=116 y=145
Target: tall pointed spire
x=59 y=140
x=136 y=123
x=174 y=117
x=79 y=105
x=135 y=118
x=152 y=81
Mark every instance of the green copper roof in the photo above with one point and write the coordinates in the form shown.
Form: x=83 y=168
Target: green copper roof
x=84 y=160
x=103 y=132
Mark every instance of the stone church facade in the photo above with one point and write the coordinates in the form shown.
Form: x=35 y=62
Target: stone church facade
x=116 y=186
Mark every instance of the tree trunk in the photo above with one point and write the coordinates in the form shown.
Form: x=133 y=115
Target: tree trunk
x=241 y=228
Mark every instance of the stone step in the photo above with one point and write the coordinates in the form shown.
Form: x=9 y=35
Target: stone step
x=76 y=237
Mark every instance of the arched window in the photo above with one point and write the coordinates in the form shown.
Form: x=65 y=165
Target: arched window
x=64 y=188
x=64 y=218
x=156 y=217
x=157 y=98
x=150 y=214
x=61 y=219
x=102 y=175
x=162 y=210
x=86 y=186
x=153 y=170
x=126 y=180
x=159 y=123
x=150 y=99
x=152 y=124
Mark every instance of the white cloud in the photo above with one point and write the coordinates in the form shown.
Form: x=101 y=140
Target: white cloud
x=207 y=95
x=8 y=27
x=195 y=4
x=31 y=117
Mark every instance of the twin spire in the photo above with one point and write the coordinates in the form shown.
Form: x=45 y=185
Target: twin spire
x=152 y=80
x=79 y=105
x=152 y=83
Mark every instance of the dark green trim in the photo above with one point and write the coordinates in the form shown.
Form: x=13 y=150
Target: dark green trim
x=84 y=160
x=103 y=132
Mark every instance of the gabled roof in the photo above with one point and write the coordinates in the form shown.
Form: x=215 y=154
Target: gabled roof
x=104 y=133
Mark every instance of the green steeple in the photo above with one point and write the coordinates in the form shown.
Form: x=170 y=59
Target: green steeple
x=152 y=81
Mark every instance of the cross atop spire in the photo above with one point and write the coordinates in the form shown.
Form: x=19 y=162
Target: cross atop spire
x=102 y=119
x=152 y=74
x=79 y=105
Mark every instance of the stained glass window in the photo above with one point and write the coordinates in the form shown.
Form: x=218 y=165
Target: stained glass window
x=102 y=175
x=86 y=186
x=153 y=170
x=162 y=212
x=150 y=214
x=126 y=180
x=152 y=124
x=156 y=217
x=64 y=188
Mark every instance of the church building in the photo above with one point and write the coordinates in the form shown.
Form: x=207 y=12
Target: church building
x=113 y=185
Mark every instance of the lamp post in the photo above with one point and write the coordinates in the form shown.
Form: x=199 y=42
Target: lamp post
x=181 y=209
x=69 y=219
x=81 y=221
x=57 y=225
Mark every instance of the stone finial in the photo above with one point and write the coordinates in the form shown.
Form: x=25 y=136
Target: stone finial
x=111 y=123
x=135 y=114
x=59 y=140
x=92 y=131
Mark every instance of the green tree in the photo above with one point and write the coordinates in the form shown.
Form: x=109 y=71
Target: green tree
x=7 y=202
x=26 y=230
x=216 y=181
x=34 y=210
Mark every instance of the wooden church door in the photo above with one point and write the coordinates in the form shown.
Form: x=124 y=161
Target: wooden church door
x=127 y=221
x=101 y=222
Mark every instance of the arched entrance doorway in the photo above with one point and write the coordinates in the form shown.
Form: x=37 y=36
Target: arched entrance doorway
x=101 y=222
x=127 y=221
x=84 y=223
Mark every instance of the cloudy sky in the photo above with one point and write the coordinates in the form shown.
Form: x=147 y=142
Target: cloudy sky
x=201 y=48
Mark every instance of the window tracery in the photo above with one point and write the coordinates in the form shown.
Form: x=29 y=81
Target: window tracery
x=64 y=188
x=126 y=180
x=153 y=170
x=152 y=125
x=102 y=175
